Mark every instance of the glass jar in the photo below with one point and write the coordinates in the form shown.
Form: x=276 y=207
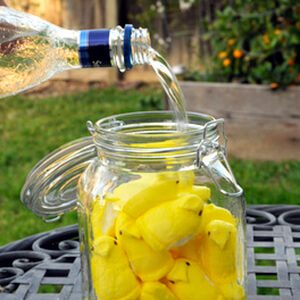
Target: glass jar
x=161 y=214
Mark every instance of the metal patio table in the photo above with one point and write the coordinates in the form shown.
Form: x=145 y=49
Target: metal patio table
x=46 y=266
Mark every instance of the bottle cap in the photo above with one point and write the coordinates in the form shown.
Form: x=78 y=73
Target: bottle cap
x=127 y=46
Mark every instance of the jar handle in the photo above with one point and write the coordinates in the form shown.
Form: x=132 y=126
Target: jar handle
x=51 y=186
x=211 y=156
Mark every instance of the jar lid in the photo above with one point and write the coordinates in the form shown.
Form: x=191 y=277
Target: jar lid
x=51 y=186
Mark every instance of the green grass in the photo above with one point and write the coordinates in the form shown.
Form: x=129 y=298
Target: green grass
x=31 y=128
x=269 y=182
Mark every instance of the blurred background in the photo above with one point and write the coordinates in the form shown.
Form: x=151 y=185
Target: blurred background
x=221 y=40
x=237 y=59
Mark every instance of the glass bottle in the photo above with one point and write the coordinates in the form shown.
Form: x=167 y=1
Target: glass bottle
x=33 y=50
x=161 y=214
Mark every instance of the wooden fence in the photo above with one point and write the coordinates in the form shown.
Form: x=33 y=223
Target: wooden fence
x=180 y=32
x=73 y=14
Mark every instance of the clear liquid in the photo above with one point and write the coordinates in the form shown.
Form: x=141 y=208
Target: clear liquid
x=28 y=61
x=171 y=87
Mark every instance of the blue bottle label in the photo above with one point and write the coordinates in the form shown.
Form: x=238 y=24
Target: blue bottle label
x=94 y=50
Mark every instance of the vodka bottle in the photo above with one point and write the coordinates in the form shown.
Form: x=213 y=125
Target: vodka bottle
x=33 y=50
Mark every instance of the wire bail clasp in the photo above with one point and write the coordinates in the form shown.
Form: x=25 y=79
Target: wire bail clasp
x=211 y=156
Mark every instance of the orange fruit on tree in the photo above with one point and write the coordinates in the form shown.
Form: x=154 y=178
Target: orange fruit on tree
x=291 y=62
x=231 y=42
x=274 y=85
x=222 y=54
x=238 y=53
x=277 y=31
x=266 y=39
x=226 y=62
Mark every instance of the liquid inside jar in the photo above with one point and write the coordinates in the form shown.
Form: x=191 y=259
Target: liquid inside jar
x=160 y=237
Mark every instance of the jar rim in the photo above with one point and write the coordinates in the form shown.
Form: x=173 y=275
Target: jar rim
x=151 y=132
x=112 y=123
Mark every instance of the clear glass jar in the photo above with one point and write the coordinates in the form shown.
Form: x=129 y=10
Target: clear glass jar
x=161 y=214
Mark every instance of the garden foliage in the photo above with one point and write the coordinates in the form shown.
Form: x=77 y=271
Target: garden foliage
x=257 y=41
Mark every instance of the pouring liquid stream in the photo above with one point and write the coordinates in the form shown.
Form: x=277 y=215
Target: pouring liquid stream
x=171 y=87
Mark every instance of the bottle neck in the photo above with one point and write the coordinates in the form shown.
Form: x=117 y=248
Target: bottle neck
x=119 y=47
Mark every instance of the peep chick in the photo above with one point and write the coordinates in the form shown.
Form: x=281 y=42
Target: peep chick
x=189 y=250
x=219 y=258
x=171 y=223
x=156 y=291
x=147 y=264
x=233 y=291
x=102 y=218
x=187 y=281
x=219 y=252
x=112 y=276
x=151 y=189
x=202 y=191
x=212 y=212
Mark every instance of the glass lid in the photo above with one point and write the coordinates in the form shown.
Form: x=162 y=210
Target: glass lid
x=51 y=186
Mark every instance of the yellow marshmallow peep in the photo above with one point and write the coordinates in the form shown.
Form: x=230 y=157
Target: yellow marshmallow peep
x=219 y=258
x=202 y=191
x=96 y=218
x=112 y=277
x=102 y=218
x=218 y=251
x=212 y=212
x=189 y=250
x=188 y=282
x=233 y=291
x=147 y=264
x=156 y=291
x=173 y=222
x=150 y=189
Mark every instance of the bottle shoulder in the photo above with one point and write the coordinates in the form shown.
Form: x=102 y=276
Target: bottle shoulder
x=14 y=20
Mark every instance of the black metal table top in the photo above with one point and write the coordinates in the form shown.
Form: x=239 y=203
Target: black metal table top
x=47 y=266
